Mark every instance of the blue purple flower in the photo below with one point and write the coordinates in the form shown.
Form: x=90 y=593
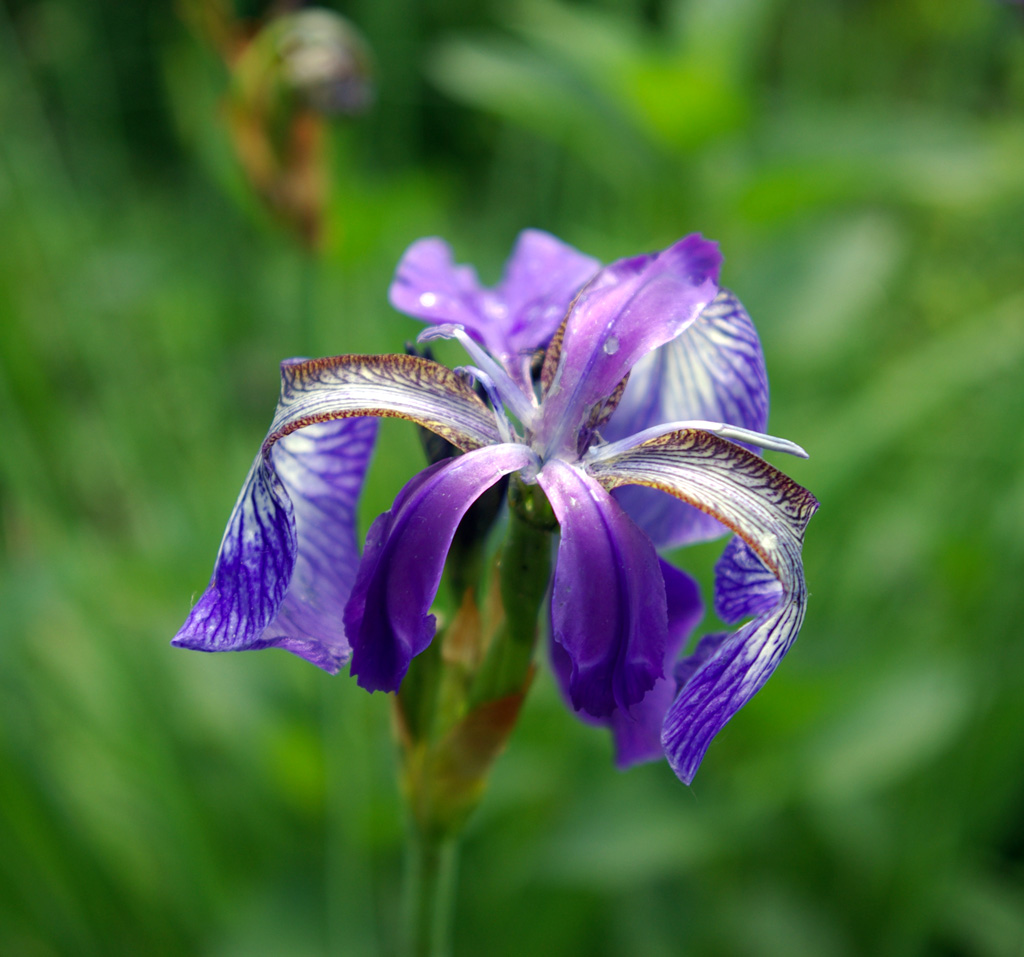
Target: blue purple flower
x=641 y=427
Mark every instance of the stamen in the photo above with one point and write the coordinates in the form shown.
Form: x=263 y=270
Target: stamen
x=504 y=426
x=522 y=406
x=733 y=432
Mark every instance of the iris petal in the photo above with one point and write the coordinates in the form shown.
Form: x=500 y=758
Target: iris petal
x=608 y=598
x=288 y=558
x=286 y=564
x=387 y=618
x=770 y=512
x=714 y=370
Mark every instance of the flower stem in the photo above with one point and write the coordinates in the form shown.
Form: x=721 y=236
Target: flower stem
x=455 y=713
x=431 y=868
x=525 y=575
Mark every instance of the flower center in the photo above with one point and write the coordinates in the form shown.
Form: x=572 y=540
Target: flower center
x=501 y=388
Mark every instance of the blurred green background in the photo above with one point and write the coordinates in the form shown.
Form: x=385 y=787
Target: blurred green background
x=861 y=163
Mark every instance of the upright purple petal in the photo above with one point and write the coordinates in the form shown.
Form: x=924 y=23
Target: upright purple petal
x=608 y=605
x=713 y=370
x=769 y=512
x=512 y=320
x=388 y=618
x=288 y=558
x=542 y=277
x=630 y=308
x=430 y=286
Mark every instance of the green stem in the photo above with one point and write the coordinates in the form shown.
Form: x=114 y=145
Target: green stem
x=525 y=574
x=452 y=725
x=430 y=894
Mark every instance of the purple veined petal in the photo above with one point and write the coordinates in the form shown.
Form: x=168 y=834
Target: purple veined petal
x=388 y=620
x=687 y=666
x=396 y=386
x=272 y=564
x=714 y=369
x=744 y=587
x=608 y=605
x=519 y=315
x=322 y=467
x=629 y=309
x=288 y=559
x=723 y=684
x=769 y=511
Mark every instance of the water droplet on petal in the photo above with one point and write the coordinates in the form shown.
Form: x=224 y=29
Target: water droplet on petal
x=611 y=345
x=428 y=300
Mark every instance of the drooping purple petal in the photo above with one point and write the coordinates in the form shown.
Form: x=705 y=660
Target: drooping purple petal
x=512 y=320
x=322 y=467
x=608 y=605
x=744 y=587
x=288 y=558
x=406 y=387
x=388 y=618
x=769 y=511
x=637 y=732
x=630 y=308
x=722 y=685
x=713 y=370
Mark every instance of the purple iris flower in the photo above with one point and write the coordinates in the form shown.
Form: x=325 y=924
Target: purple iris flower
x=652 y=382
